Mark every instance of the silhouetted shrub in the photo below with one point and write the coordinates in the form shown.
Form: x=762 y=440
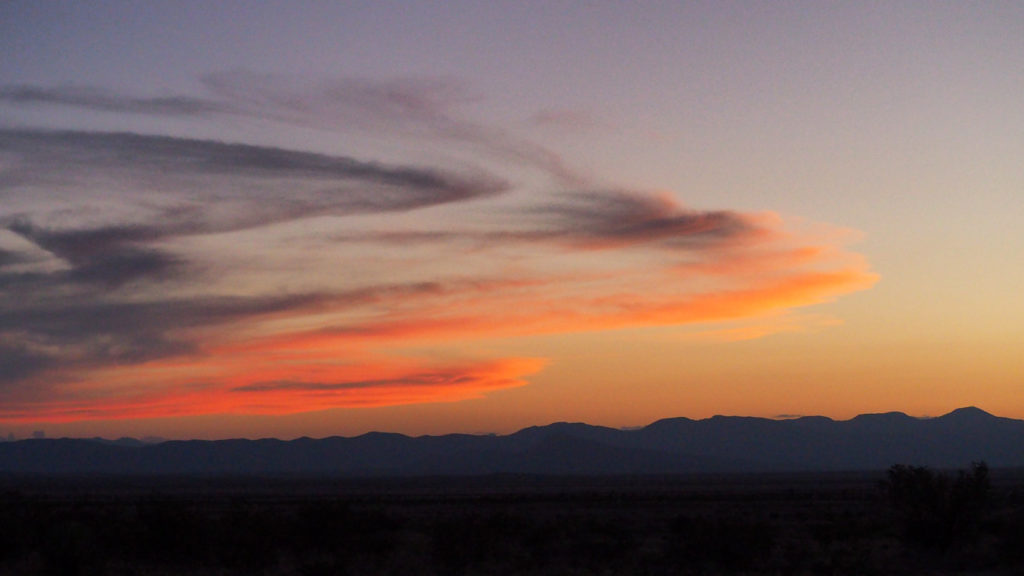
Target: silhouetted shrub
x=935 y=510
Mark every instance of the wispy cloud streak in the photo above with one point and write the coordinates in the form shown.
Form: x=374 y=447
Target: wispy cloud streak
x=150 y=275
x=422 y=108
x=92 y=98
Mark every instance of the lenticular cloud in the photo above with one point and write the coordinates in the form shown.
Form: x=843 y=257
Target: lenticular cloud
x=144 y=275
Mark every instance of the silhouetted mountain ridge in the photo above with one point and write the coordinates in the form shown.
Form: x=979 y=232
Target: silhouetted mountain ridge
x=719 y=444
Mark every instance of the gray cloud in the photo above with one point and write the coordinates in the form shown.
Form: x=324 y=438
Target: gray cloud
x=10 y=258
x=99 y=100
x=182 y=187
x=423 y=107
x=98 y=301
x=406 y=104
x=185 y=167
x=592 y=219
x=108 y=256
x=417 y=107
x=609 y=218
x=65 y=323
x=126 y=264
x=49 y=326
x=179 y=155
x=87 y=330
x=18 y=363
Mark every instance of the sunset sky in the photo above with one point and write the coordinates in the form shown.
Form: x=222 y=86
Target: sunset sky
x=237 y=219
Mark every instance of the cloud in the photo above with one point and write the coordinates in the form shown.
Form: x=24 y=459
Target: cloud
x=95 y=99
x=18 y=362
x=98 y=216
x=45 y=334
x=133 y=301
x=11 y=258
x=102 y=209
x=615 y=218
x=182 y=176
x=402 y=384
x=108 y=257
x=144 y=275
x=422 y=108
x=444 y=384
x=447 y=382
x=597 y=220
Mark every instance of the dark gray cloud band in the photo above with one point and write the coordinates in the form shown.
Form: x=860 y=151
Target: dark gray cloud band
x=182 y=187
x=88 y=331
x=615 y=218
x=316 y=181
x=99 y=100
x=408 y=107
x=83 y=307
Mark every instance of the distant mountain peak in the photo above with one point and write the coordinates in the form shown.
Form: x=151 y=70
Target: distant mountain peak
x=563 y=427
x=883 y=416
x=810 y=420
x=669 y=422
x=720 y=444
x=377 y=435
x=968 y=413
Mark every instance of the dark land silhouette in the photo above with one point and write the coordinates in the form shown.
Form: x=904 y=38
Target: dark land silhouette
x=878 y=494
x=911 y=520
x=673 y=446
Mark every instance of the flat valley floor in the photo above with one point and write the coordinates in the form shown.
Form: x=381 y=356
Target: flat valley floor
x=496 y=525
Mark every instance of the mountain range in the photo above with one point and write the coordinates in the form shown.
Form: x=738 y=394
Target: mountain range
x=721 y=444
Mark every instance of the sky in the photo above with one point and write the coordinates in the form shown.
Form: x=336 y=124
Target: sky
x=287 y=219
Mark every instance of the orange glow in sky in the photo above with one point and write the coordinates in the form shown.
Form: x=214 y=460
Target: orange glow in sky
x=615 y=216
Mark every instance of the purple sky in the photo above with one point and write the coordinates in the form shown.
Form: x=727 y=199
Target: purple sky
x=237 y=219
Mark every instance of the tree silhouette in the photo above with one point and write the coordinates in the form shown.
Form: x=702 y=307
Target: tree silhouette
x=937 y=511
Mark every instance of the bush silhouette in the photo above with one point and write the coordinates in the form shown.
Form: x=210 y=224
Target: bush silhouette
x=937 y=511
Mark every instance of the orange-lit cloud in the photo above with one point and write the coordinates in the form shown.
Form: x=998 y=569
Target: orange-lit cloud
x=145 y=276
x=253 y=387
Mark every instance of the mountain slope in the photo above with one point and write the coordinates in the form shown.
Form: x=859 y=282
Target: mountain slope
x=671 y=446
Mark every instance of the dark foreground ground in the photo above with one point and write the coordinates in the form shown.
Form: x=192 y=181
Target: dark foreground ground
x=787 y=524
